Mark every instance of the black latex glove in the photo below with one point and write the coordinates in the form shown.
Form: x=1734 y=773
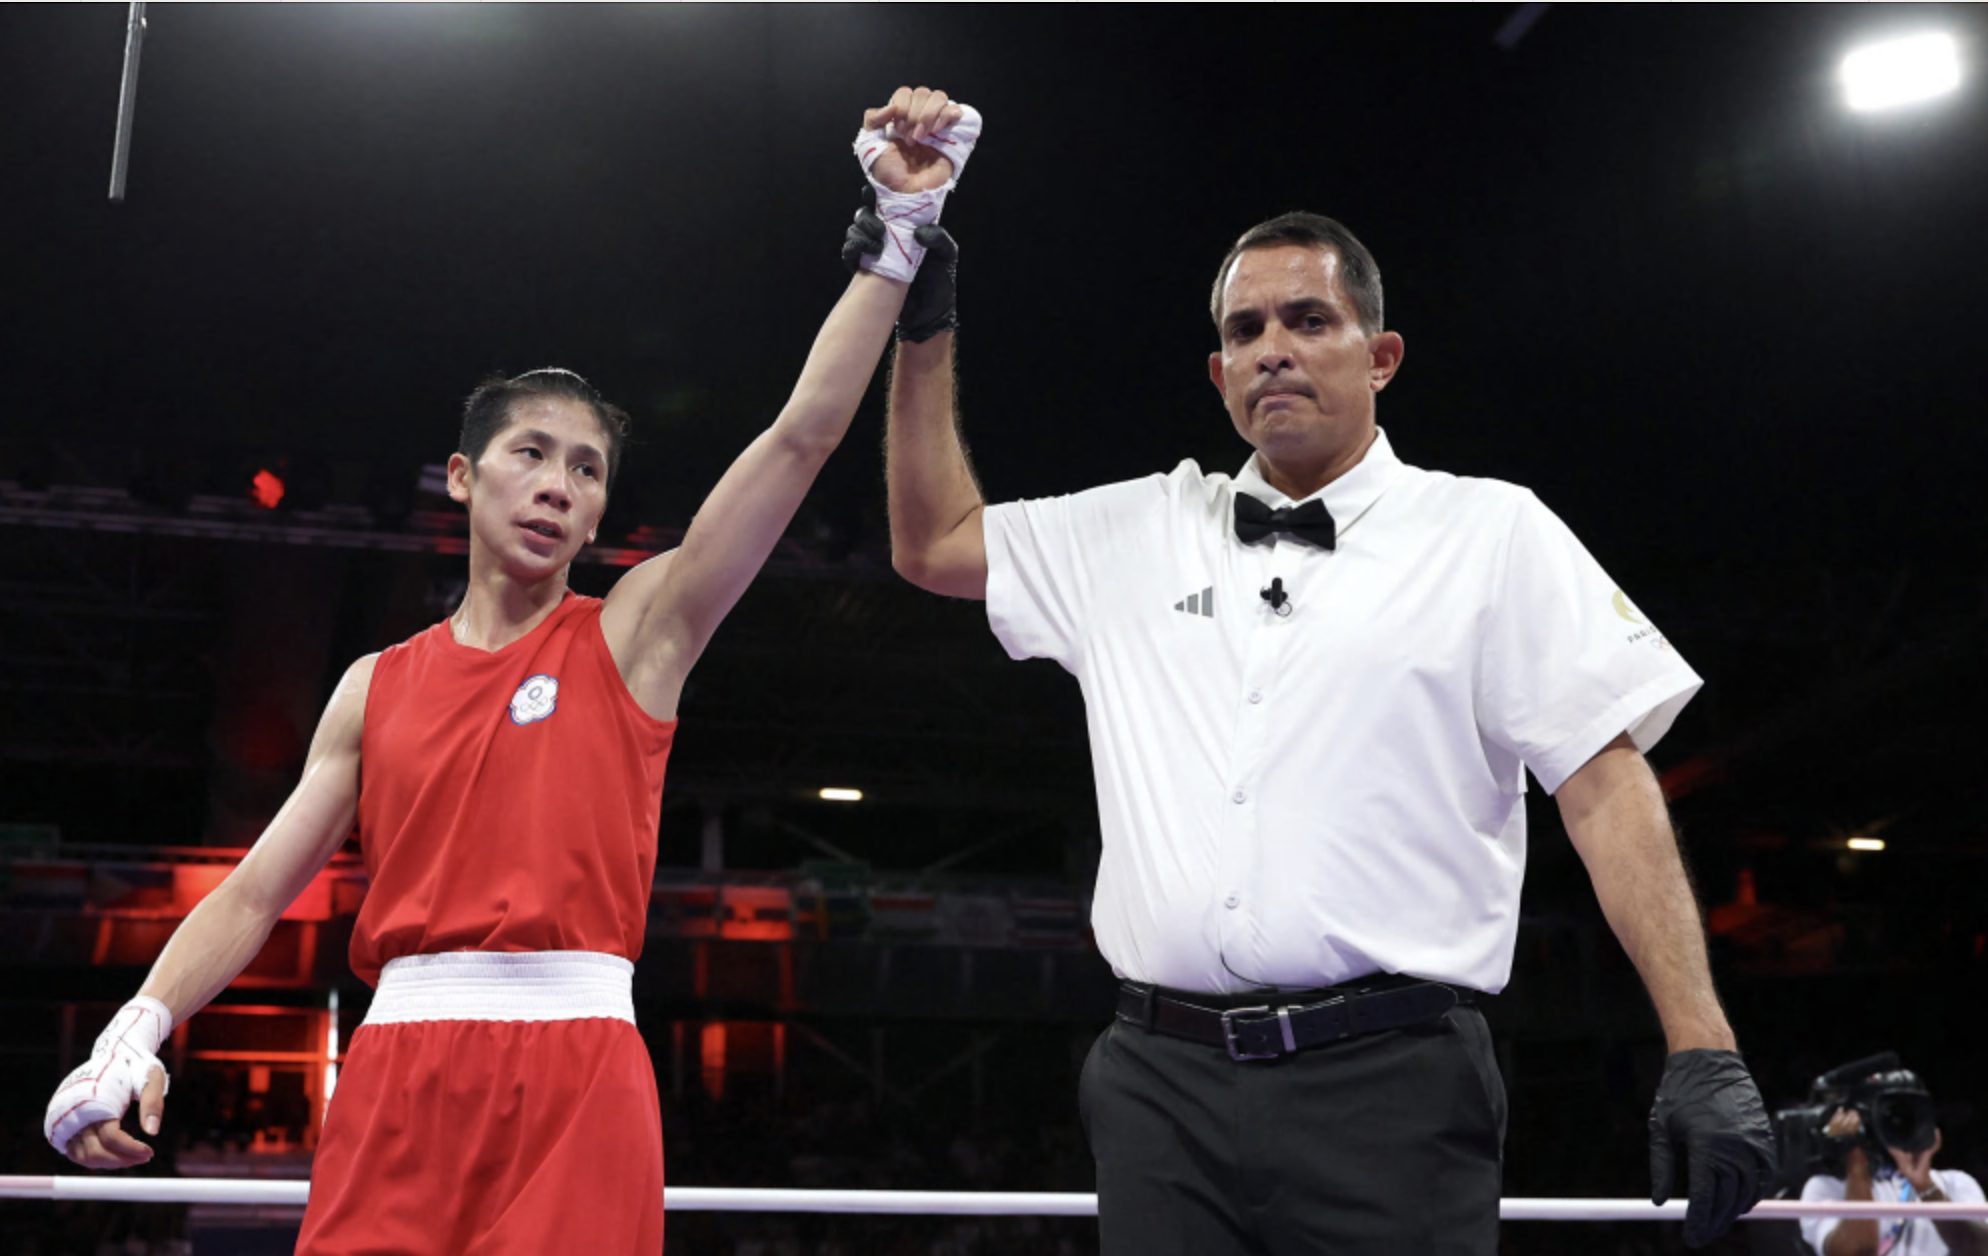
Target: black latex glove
x=866 y=235
x=930 y=306
x=1709 y=1110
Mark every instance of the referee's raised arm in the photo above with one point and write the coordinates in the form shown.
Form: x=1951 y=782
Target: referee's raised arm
x=935 y=505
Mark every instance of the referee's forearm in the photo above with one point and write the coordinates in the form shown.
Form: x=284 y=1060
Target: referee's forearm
x=930 y=482
x=1615 y=815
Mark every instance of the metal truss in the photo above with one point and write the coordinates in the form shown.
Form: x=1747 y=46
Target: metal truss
x=104 y=649
x=830 y=669
x=833 y=670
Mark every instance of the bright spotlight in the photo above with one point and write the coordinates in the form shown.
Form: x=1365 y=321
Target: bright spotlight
x=1901 y=71
x=1866 y=843
x=832 y=794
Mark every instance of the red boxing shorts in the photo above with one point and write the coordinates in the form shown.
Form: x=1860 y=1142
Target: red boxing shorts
x=492 y=1104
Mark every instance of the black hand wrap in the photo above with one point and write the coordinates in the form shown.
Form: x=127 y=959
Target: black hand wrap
x=1709 y=1109
x=930 y=306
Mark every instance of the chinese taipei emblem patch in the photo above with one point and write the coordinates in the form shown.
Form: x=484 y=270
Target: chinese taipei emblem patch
x=536 y=699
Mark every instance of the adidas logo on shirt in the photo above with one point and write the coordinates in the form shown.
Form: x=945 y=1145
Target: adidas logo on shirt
x=1202 y=603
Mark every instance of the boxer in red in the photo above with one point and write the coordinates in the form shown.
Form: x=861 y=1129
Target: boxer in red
x=504 y=771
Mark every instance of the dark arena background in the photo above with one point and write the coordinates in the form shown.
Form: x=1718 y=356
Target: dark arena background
x=1648 y=262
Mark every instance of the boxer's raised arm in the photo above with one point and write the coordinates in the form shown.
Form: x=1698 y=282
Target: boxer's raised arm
x=660 y=616
x=216 y=941
x=935 y=503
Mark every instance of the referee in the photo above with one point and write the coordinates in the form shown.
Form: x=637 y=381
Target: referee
x=1314 y=689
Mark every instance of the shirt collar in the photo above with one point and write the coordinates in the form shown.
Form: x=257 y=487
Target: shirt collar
x=1346 y=497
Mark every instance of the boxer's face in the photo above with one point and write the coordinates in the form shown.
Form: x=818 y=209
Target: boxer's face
x=537 y=492
x=1295 y=371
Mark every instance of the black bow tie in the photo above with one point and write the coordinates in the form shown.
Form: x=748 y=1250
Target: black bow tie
x=1308 y=522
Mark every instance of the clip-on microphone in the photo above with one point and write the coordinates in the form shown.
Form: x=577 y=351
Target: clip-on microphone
x=1279 y=600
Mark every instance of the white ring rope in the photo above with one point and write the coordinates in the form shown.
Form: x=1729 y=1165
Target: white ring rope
x=919 y=1203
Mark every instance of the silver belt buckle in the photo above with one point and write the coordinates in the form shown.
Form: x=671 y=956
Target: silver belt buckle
x=1229 y=1033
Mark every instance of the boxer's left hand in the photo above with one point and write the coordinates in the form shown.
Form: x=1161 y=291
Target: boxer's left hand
x=912 y=116
x=1709 y=1109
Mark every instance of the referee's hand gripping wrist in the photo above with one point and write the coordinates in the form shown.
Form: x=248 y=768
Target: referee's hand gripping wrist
x=866 y=236
x=932 y=304
x=930 y=307
x=1709 y=1111
x=84 y=1116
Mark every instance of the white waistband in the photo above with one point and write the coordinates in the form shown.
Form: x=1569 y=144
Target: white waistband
x=503 y=986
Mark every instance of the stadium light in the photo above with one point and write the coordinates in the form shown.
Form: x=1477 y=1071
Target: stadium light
x=1901 y=71
x=832 y=794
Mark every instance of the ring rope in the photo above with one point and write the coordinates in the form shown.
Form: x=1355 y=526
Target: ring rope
x=255 y=1191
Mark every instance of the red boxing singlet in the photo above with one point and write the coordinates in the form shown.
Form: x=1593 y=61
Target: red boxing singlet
x=508 y=801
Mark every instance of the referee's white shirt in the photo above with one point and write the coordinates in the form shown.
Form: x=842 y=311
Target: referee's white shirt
x=1300 y=800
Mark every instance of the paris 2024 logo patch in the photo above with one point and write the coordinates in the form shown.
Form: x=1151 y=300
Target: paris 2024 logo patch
x=536 y=699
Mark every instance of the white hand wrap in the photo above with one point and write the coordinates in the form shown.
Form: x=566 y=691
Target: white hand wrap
x=118 y=1067
x=904 y=212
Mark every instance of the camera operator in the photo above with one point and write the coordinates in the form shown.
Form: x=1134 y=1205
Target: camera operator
x=1907 y=1177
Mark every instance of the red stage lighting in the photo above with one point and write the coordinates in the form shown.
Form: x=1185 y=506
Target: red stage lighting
x=266 y=489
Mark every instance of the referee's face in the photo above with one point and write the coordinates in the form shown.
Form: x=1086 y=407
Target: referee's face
x=1295 y=370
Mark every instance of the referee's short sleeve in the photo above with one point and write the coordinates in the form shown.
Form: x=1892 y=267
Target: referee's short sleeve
x=1047 y=559
x=1569 y=662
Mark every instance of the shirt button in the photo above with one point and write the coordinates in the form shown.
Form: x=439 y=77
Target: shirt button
x=1256 y=695
x=1233 y=900
x=1239 y=796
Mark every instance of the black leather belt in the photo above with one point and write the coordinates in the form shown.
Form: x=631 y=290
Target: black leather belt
x=1312 y=1018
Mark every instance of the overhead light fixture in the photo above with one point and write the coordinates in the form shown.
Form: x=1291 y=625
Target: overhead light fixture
x=833 y=794
x=1901 y=71
x=1866 y=843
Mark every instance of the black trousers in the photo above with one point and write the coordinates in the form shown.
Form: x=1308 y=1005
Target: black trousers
x=1384 y=1145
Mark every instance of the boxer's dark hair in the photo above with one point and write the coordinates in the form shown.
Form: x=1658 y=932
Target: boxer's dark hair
x=488 y=411
x=1359 y=274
